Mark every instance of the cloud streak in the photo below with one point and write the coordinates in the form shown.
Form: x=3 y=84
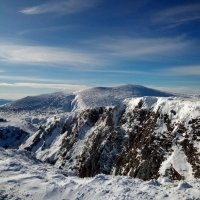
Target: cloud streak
x=178 y=15
x=98 y=53
x=47 y=29
x=189 y=90
x=32 y=54
x=144 y=48
x=184 y=70
x=62 y=86
x=31 y=79
x=60 y=7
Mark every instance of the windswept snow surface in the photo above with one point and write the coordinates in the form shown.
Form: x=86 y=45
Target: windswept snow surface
x=109 y=96
x=22 y=177
x=46 y=102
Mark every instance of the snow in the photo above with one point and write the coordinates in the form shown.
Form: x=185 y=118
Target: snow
x=178 y=161
x=23 y=177
x=184 y=109
x=31 y=112
x=183 y=185
x=109 y=96
x=58 y=100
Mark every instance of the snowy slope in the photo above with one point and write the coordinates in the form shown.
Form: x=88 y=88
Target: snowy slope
x=22 y=177
x=109 y=96
x=45 y=102
x=31 y=112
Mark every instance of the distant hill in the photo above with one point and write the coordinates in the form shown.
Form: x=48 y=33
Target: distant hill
x=89 y=98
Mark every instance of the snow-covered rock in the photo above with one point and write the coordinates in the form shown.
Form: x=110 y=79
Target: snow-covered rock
x=143 y=137
x=128 y=130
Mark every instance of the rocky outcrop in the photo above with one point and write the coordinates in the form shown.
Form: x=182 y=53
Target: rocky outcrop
x=141 y=137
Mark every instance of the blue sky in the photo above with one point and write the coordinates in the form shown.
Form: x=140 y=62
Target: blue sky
x=48 y=45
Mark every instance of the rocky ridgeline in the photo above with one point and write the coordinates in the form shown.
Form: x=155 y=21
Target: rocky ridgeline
x=147 y=137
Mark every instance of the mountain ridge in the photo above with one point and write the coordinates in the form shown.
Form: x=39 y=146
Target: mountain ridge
x=92 y=97
x=126 y=130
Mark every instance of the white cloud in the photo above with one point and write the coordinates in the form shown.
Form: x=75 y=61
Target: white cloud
x=183 y=70
x=46 y=29
x=178 y=15
x=32 y=54
x=100 y=52
x=60 y=7
x=27 y=78
x=188 y=90
x=144 y=48
x=59 y=86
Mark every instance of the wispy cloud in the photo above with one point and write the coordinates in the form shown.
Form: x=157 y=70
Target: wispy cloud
x=26 y=78
x=32 y=54
x=22 y=89
x=46 y=29
x=60 y=7
x=97 y=53
x=58 y=86
x=144 y=48
x=183 y=70
x=189 y=90
x=178 y=15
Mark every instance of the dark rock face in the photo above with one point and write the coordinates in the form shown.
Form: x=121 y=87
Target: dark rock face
x=188 y=146
x=3 y=120
x=143 y=148
x=119 y=141
x=102 y=147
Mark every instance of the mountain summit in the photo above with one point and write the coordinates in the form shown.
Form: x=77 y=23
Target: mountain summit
x=108 y=96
